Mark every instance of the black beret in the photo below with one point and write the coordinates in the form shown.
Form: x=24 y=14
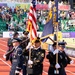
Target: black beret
x=16 y=40
x=25 y=32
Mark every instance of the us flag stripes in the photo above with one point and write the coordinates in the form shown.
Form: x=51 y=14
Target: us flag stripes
x=32 y=25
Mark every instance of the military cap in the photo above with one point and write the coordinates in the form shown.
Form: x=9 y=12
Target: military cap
x=16 y=40
x=37 y=40
x=25 y=32
x=62 y=44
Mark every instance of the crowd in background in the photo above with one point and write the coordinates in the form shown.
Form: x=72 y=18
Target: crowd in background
x=16 y=18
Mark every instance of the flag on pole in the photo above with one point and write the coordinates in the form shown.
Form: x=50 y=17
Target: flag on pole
x=32 y=25
x=48 y=27
x=52 y=19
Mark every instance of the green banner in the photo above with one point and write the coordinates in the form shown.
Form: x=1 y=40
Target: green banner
x=67 y=25
x=23 y=6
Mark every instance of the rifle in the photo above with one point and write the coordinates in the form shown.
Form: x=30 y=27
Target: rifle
x=9 y=52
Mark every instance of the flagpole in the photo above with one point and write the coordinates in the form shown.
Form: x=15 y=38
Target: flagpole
x=56 y=32
x=55 y=22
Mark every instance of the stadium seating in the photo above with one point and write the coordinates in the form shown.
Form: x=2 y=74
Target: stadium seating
x=3 y=23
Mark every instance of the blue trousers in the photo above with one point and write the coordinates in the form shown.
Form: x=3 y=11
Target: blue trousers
x=24 y=70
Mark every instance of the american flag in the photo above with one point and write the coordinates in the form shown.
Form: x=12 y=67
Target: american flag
x=32 y=25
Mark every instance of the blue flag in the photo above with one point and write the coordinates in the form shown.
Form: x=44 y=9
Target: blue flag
x=49 y=26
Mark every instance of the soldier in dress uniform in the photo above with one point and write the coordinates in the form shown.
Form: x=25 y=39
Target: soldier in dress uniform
x=17 y=58
x=37 y=57
x=63 y=60
x=66 y=59
x=10 y=46
x=52 y=61
x=24 y=44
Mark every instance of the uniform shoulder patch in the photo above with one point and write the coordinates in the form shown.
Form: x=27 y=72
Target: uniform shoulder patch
x=42 y=54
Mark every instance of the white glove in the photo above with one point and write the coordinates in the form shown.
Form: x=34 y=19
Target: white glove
x=16 y=72
x=4 y=56
x=57 y=66
x=55 y=51
x=72 y=61
x=29 y=45
x=30 y=62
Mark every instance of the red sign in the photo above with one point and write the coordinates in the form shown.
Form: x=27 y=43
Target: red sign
x=64 y=7
x=45 y=7
x=41 y=7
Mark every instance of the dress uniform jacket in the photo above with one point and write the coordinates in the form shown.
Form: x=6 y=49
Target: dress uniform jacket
x=66 y=60
x=37 y=56
x=63 y=60
x=17 y=59
x=10 y=47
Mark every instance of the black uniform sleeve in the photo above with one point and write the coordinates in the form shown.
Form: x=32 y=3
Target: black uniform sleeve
x=25 y=52
x=65 y=59
x=49 y=56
